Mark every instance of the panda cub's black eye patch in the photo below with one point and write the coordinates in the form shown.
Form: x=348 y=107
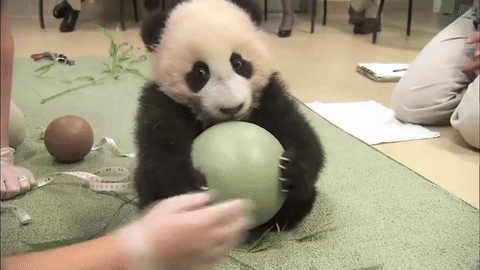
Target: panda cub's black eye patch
x=241 y=66
x=198 y=76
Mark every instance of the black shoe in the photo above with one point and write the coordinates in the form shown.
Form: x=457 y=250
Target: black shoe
x=367 y=27
x=69 y=21
x=60 y=9
x=356 y=18
x=284 y=33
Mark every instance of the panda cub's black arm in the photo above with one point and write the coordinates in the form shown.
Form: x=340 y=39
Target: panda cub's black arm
x=278 y=113
x=164 y=134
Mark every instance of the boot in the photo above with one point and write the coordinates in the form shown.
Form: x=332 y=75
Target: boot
x=60 y=9
x=69 y=21
x=367 y=27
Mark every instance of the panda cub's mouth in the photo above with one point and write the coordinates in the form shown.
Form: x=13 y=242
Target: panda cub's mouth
x=231 y=112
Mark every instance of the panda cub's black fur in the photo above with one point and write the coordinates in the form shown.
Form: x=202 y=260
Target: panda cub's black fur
x=166 y=129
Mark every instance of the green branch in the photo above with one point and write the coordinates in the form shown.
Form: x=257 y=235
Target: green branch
x=118 y=58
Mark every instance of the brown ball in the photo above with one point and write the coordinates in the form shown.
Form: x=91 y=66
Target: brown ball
x=69 y=139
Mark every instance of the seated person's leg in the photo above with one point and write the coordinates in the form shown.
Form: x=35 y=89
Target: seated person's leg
x=357 y=12
x=466 y=117
x=369 y=24
x=434 y=84
x=14 y=180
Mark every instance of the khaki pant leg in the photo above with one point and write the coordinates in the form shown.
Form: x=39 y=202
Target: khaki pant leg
x=434 y=84
x=466 y=117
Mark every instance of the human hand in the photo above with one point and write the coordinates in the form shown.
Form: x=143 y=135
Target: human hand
x=474 y=66
x=15 y=180
x=184 y=232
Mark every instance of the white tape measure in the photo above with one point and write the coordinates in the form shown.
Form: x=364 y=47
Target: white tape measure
x=100 y=180
x=95 y=181
x=21 y=215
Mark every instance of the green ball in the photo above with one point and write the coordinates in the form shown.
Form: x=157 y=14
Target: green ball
x=240 y=161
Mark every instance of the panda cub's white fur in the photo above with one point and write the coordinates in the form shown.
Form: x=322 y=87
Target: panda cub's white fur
x=208 y=31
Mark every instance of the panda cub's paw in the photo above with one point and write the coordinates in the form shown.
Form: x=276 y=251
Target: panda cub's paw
x=293 y=172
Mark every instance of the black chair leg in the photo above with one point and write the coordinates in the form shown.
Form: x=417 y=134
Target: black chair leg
x=40 y=13
x=122 y=14
x=409 y=20
x=324 y=12
x=314 y=16
x=135 y=11
x=265 y=10
x=379 y=17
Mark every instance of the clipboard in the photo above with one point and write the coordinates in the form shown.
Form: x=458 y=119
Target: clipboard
x=383 y=72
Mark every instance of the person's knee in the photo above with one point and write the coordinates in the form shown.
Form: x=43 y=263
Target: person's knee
x=416 y=106
x=466 y=117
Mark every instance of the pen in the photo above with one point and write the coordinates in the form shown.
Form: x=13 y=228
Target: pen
x=398 y=70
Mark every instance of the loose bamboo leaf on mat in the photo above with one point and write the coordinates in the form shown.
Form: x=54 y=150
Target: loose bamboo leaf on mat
x=369 y=267
x=85 y=78
x=245 y=266
x=44 y=69
x=67 y=81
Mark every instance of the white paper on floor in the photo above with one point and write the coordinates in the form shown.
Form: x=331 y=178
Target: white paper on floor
x=370 y=122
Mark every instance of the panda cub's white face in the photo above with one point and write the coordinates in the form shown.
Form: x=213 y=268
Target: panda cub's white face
x=225 y=91
x=211 y=58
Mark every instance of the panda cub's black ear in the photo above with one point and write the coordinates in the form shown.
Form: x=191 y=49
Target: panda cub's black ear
x=252 y=8
x=152 y=27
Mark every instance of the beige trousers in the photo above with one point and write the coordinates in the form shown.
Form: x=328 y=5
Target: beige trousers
x=76 y=4
x=369 y=6
x=435 y=90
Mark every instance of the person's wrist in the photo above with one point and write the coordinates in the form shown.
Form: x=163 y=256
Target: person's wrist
x=136 y=247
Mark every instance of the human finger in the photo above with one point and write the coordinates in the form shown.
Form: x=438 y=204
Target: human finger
x=472 y=66
x=225 y=212
x=475 y=37
x=3 y=188
x=12 y=186
x=186 y=202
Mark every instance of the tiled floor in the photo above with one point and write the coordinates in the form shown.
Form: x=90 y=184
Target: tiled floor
x=319 y=66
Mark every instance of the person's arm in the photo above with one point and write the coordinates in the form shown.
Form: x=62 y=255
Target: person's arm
x=7 y=50
x=103 y=253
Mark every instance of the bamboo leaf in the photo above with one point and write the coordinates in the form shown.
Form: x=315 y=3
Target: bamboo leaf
x=113 y=49
x=44 y=69
x=86 y=78
x=141 y=58
x=117 y=68
x=67 y=81
x=136 y=72
x=106 y=33
x=108 y=70
x=122 y=44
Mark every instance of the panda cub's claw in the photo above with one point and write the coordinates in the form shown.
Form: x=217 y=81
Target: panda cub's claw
x=283 y=180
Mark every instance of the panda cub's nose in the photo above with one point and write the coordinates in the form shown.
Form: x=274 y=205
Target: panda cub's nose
x=231 y=111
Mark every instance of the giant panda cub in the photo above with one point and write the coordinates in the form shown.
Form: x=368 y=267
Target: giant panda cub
x=209 y=65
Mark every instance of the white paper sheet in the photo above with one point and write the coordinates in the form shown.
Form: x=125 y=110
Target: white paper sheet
x=370 y=122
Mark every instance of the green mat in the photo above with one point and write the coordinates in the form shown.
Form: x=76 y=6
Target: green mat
x=371 y=209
